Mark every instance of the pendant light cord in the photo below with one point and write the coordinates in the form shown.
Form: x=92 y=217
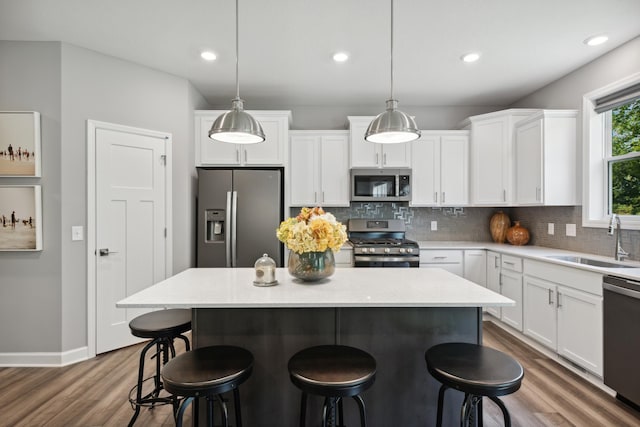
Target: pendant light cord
x=391 y=49
x=237 y=55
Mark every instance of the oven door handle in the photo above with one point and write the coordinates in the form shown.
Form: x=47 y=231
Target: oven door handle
x=622 y=291
x=360 y=258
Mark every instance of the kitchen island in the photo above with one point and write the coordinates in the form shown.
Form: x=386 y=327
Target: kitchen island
x=394 y=314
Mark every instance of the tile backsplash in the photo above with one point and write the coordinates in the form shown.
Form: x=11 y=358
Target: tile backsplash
x=472 y=224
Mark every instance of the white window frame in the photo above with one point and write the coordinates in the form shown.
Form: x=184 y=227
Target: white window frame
x=595 y=168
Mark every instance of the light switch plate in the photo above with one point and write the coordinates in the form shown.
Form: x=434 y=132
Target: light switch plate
x=571 y=230
x=77 y=232
x=434 y=225
x=551 y=228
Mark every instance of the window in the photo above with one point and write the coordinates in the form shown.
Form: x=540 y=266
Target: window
x=623 y=161
x=611 y=167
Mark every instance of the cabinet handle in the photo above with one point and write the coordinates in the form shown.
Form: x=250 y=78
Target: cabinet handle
x=377 y=158
x=509 y=263
x=550 y=297
x=323 y=197
x=315 y=197
x=384 y=157
x=559 y=303
x=435 y=196
x=537 y=194
x=443 y=197
x=439 y=257
x=245 y=156
x=504 y=195
x=495 y=262
x=237 y=155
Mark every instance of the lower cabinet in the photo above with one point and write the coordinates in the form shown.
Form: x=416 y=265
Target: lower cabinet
x=511 y=287
x=493 y=279
x=475 y=266
x=344 y=257
x=450 y=260
x=561 y=317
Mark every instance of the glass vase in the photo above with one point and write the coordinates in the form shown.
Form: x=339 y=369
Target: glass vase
x=312 y=266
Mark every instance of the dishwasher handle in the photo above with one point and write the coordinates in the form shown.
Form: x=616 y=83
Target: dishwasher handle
x=621 y=290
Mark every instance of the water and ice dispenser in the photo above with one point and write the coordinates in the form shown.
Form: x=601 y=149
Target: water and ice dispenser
x=215 y=225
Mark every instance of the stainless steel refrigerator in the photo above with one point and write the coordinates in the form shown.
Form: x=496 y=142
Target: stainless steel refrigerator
x=239 y=211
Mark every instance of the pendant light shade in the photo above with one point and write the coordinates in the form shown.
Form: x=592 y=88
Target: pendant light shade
x=237 y=126
x=393 y=126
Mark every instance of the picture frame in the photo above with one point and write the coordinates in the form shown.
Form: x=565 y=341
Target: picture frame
x=20 y=144
x=20 y=218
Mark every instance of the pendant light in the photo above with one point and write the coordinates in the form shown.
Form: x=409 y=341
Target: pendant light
x=392 y=126
x=237 y=126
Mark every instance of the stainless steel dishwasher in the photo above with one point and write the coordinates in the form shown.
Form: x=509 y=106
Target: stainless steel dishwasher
x=621 y=323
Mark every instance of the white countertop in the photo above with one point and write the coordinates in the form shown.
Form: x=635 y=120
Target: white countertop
x=541 y=253
x=348 y=287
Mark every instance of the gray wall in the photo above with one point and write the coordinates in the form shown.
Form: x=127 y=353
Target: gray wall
x=69 y=85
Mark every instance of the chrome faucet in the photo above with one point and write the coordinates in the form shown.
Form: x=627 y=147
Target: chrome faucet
x=614 y=228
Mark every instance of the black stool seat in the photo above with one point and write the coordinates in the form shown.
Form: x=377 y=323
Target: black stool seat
x=476 y=371
x=334 y=372
x=161 y=323
x=208 y=372
x=163 y=327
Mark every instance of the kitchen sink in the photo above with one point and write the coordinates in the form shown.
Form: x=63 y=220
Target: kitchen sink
x=589 y=261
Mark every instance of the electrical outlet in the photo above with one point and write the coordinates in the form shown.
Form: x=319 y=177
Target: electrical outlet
x=551 y=228
x=76 y=232
x=434 y=225
x=571 y=230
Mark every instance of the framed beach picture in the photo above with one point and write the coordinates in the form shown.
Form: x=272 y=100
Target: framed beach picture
x=20 y=143
x=20 y=218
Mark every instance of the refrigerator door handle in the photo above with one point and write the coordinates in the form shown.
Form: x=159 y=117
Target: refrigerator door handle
x=234 y=229
x=227 y=238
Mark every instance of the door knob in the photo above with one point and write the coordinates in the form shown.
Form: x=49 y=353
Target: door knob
x=105 y=252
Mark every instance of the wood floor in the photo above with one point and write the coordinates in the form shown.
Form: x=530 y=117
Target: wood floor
x=94 y=393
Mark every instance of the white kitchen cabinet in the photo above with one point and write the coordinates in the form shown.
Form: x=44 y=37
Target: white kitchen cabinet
x=511 y=287
x=563 y=311
x=475 y=266
x=439 y=167
x=492 y=156
x=373 y=155
x=344 y=257
x=493 y=279
x=447 y=259
x=271 y=152
x=319 y=168
x=545 y=150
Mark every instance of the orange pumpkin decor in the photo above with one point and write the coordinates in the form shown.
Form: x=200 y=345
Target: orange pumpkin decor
x=498 y=226
x=518 y=235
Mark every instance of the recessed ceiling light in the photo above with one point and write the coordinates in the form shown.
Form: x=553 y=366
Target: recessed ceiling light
x=340 y=57
x=470 y=57
x=207 y=55
x=596 y=40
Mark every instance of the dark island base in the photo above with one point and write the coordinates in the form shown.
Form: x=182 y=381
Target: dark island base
x=404 y=393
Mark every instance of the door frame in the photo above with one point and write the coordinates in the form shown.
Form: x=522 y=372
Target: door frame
x=92 y=127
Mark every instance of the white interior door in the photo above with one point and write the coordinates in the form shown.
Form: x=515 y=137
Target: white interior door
x=130 y=225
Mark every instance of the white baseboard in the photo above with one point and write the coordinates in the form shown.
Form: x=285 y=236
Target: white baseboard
x=44 y=359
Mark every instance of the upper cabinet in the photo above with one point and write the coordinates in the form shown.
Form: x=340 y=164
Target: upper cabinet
x=545 y=153
x=271 y=152
x=439 y=167
x=373 y=155
x=319 y=168
x=492 y=156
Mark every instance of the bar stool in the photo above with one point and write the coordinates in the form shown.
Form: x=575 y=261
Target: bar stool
x=208 y=372
x=476 y=371
x=334 y=372
x=163 y=327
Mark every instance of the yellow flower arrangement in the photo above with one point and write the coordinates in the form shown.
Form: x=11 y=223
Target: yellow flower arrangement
x=313 y=230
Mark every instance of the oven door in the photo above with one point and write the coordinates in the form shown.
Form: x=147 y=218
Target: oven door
x=386 y=261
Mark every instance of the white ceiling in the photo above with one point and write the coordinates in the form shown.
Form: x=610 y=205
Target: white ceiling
x=286 y=45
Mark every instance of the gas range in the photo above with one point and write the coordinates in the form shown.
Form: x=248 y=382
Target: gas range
x=382 y=243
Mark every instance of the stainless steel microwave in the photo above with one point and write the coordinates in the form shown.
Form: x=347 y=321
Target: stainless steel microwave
x=382 y=185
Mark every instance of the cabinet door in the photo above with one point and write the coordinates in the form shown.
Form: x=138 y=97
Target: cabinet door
x=450 y=260
x=214 y=152
x=475 y=266
x=580 y=328
x=334 y=170
x=493 y=279
x=489 y=162
x=539 y=311
x=454 y=164
x=271 y=151
x=528 y=146
x=512 y=288
x=425 y=171
x=303 y=170
x=363 y=153
x=396 y=155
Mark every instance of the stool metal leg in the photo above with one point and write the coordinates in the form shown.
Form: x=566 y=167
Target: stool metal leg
x=505 y=412
x=363 y=416
x=443 y=388
x=180 y=412
x=236 y=405
x=340 y=413
x=223 y=409
x=303 y=409
x=143 y=355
